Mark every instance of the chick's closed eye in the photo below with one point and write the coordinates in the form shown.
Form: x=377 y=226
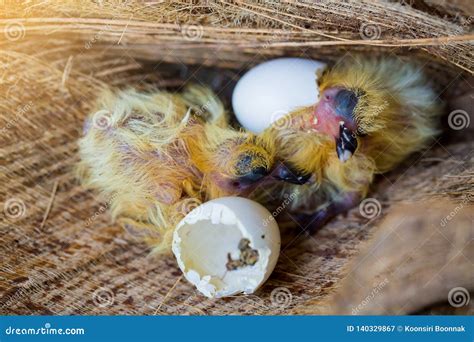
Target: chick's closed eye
x=250 y=167
x=345 y=103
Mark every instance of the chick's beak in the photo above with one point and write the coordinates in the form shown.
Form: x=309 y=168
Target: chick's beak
x=346 y=143
x=254 y=176
x=284 y=172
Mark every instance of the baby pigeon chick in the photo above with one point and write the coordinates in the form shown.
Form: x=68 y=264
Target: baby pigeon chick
x=371 y=115
x=157 y=156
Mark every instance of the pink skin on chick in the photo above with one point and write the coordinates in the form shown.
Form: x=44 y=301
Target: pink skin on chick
x=333 y=115
x=328 y=115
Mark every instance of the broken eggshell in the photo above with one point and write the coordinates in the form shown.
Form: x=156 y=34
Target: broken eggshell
x=227 y=246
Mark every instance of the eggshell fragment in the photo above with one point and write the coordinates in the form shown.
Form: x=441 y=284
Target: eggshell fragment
x=227 y=246
x=272 y=89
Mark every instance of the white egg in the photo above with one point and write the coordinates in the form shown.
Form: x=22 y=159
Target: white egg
x=272 y=89
x=227 y=246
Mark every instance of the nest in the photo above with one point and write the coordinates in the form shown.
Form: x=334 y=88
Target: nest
x=60 y=252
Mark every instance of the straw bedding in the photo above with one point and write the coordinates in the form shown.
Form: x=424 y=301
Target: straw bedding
x=62 y=255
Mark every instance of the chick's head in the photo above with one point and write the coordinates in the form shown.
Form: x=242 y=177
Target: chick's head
x=232 y=162
x=375 y=98
x=353 y=94
x=242 y=165
x=347 y=108
x=248 y=162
